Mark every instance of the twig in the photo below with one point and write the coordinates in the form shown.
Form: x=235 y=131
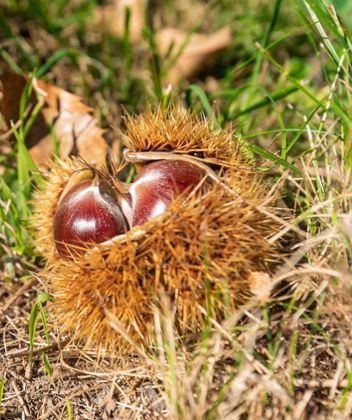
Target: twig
x=20 y=399
x=25 y=352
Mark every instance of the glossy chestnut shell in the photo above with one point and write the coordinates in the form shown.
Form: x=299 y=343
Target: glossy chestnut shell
x=156 y=185
x=89 y=212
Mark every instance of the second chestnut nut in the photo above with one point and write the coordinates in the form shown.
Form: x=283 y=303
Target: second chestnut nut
x=92 y=211
x=154 y=188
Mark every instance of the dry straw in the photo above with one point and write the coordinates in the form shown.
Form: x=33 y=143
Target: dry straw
x=202 y=252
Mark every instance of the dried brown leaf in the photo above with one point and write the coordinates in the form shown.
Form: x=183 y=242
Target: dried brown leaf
x=112 y=17
x=75 y=128
x=194 y=54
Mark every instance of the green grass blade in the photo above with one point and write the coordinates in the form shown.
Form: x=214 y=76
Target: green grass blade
x=2 y=387
x=300 y=131
x=11 y=62
x=293 y=80
x=276 y=96
x=321 y=17
x=126 y=41
x=55 y=59
x=155 y=63
x=47 y=366
x=41 y=13
x=44 y=297
x=25 y=98
x=25 y=50
x=273 y=158
x=259 y=55
x=201 y=95
x=69 y=410
x=45 y=325
x=33 y=319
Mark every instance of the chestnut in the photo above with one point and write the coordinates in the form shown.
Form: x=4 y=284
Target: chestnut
x=88 y=212
x=156 y=185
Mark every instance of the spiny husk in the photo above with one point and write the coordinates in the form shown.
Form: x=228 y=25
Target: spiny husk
x=202 y=250
x=182 y=132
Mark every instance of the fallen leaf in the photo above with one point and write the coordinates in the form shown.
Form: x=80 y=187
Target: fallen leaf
x=113 y=17
x=196 y=51
x=75 y=128
x=261 y=285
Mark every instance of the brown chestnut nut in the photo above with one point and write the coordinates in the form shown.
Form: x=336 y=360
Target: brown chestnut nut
x=88 y=212
x=157 y=184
